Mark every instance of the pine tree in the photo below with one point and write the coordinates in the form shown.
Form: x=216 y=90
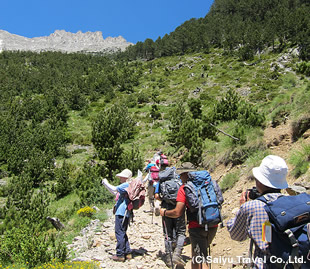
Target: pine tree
x=110 y=129
x=177 y=115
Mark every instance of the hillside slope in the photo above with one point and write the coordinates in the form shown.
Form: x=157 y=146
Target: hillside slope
x=145 y=234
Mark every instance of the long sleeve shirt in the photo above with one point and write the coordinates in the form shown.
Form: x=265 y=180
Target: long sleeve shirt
x=248 y=222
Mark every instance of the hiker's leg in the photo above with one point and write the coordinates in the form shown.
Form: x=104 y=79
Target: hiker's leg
x=127 y=245
x=180 y=229
x=168 y=227
x=157 y=207
x=200 y=241
x=196 y=244
x=120 y=235
x=150 y=192
x=168 y=233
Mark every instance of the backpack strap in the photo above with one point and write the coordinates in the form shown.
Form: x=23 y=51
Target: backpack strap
x=250 y=254
x=295 y=247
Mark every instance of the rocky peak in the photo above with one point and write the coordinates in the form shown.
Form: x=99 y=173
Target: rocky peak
x=64 y=41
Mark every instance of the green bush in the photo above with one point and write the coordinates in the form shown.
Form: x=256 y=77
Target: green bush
x=89 y=188
x=23 y=245
x=304 y=68
x=63 y=185
x=233 y=107
x=300 y=161
x=229 y=181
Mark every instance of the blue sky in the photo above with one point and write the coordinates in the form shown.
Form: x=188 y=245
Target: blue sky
x=135 y=20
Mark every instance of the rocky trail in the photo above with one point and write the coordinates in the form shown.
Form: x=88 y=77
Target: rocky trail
x=97 y=241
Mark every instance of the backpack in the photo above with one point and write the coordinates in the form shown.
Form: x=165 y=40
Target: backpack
x=136 y=194
x=164 y=161
x=204 y=198
x=154 y=173
x=290 y=221
x=169 y=185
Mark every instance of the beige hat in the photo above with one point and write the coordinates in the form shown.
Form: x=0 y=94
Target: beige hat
x=186 y=167
x=125 y=173
x=272 y=172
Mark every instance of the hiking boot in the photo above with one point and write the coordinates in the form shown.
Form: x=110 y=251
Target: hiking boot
x=117 y=258
x=167 y=261
x=176 y=257
x=128 y=256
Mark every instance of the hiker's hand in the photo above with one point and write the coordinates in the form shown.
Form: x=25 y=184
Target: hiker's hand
x=104 y=181
x=162 y=211
x=244 y=197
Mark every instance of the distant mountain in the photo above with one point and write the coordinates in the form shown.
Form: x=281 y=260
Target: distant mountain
x=63 y=41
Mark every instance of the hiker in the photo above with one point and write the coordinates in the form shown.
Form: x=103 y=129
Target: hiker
x=199 y=237
x=152 y=178
x=122 y=215
x=270 y=179
x=174 y=228
x=157 y=158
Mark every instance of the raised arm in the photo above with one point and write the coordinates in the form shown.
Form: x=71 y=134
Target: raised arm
x=110 y=188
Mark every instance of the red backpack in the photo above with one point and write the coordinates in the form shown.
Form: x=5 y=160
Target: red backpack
x=136 y=194
x=164 y=160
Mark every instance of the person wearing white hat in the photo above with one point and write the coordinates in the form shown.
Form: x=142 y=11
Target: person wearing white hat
x=270 y=178
x=123 y=250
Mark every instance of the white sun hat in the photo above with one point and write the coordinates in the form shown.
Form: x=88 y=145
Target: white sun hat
x=125 y=173
x=272 y=172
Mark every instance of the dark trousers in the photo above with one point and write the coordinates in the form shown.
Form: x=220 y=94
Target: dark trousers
x=122 y=246
x=176 y=229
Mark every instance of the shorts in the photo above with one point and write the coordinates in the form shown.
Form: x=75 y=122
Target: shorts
x=201 y=239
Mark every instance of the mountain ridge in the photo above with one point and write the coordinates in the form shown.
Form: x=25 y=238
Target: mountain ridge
x=63 y=41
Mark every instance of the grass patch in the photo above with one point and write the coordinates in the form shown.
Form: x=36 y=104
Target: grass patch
x=300 y=161
x=229 y=181
x=65 y=207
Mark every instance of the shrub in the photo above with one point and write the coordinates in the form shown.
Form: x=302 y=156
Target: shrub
x=229 y=181
x=232 y=107
x=23 y=245
x=304 y=68
x=299 y=127
x=86 y=211
x=300 y=159
x=240 y=154
x=89 y=188
x=63 y=182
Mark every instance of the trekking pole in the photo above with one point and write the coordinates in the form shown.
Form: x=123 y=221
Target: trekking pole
x=152 y=216
x=169 y=243
x=209 y=255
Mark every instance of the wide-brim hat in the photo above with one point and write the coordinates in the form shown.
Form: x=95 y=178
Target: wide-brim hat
x=125 y=173
x=185 y=168
x=272 y=172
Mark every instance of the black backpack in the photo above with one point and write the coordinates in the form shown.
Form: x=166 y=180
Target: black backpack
x=169 y=185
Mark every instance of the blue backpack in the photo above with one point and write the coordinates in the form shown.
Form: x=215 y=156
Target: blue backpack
x=204 y=198
x=290 y=220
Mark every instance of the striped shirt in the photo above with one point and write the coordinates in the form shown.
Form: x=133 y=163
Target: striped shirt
x=248 y=223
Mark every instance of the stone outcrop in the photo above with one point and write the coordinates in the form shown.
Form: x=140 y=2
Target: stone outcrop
x=63 y=41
